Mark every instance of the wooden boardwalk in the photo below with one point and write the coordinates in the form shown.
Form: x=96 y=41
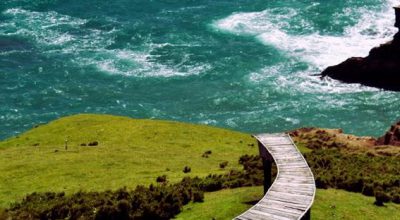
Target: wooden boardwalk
x=292 y=193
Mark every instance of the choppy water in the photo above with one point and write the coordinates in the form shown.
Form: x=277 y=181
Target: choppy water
x=245 y=65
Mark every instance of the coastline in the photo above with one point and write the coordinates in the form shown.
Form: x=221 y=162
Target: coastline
x=380 y=69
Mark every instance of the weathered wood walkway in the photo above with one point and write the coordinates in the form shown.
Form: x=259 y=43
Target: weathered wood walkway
x=292 y=193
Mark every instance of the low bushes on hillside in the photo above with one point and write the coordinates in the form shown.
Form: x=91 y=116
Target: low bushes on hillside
x=371 y=175
x=153 y=202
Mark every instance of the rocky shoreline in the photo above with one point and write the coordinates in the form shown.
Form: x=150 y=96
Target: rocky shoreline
x=380 y=69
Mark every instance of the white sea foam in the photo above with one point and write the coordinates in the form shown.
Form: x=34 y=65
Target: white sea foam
x=272 y=27
x=320 y=50
x=139 y=63
x=57 y=33
x=280 y=77
x=41 y=26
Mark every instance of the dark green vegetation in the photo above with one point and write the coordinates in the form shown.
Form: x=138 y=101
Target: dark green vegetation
x=352 y=163
x=370 y=175
x=155 y=202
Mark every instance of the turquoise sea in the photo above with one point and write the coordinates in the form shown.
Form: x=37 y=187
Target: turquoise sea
x=247 y=65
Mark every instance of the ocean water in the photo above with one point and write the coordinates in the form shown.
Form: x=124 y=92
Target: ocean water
x=245 y=65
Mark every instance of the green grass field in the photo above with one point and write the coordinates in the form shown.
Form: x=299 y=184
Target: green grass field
x=328 y=204
x=135 y=151
x=130 y=152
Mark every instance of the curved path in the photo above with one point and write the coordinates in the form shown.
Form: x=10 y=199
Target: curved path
x=292 y=193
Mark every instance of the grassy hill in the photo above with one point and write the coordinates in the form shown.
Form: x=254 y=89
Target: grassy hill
x=129 y=152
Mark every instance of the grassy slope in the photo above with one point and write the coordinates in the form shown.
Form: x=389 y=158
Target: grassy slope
x=329 y=204
x=133 y=152
x=130 y=152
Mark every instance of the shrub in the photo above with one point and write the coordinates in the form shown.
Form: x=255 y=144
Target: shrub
x=211 y=183
x=222 y=165
x=206 y=154
x=187 y=169
x=396 y=199
x=380 y=198
x=368 y=190
x=153 y=202
x=321 y=182
x=161 y=179
x=198 y=196
x=94 y=143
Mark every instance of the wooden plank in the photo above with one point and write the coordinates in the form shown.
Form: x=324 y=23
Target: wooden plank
x=288 y=215
x=298 y=173
x=290 y=161
x=295 y=184
x=294 y=165
x=292 y=179
x=291 y=176
x=266 y=135
x=284 y=153
x=294 y=171
x=288 y=169
x=277 y=143
x=288 y=196
x=283 y=150
x=305 y=177
x=305 y=200
x=306 y=186
x=294 y=202
x=257 y=215
x=293 y=191
x=288 y=156
x=266 y=215
x=271 y=208
x=269 y=141
x=303 y=187
x=284 y=204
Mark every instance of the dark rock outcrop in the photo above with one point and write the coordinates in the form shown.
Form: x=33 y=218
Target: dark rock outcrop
x=392 y=137
x=381 y=68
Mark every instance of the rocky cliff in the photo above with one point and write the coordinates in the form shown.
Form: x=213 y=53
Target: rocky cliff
x=381 y=68
x=391 y=137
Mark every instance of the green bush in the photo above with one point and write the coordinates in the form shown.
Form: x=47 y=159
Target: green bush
x=207 y=154
x=222 y=165
x=198 y=196
x=161 y=179
x=187 y=169
x=153 y=202
x=381 y=197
